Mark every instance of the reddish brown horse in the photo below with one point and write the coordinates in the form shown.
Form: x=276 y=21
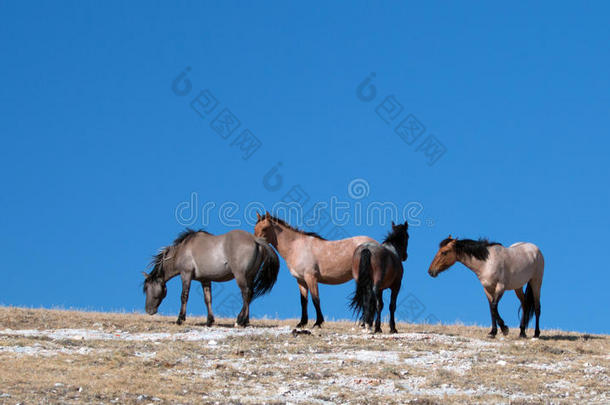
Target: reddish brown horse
x=311 y=259
x=376 y=267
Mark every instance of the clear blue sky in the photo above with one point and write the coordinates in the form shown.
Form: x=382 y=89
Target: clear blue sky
x=98 y=151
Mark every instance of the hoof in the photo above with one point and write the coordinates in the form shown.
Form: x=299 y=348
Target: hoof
x=393 y=330
x=319 y=325
x=492 y=335
x=505 y=330
x=210 y=322
x=301 y=324
x=378 y=330
x=522 y=335
x=180 y=321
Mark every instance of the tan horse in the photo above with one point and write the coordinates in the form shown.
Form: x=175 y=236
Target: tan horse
x=498 y=269
x=311 y=259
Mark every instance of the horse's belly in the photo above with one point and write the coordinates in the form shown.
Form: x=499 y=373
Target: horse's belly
x=220 y=277
x=338 y=278
x=518 y=280
x=215 y=273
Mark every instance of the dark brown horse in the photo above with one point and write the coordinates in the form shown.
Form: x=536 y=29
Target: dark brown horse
x=376 y=267
x=201 y=256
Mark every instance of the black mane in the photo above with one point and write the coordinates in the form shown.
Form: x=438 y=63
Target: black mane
x=396 y=236
x=475 y=248
x=287 y=225
x=157 y=260
x=157 y=264
x=187 y=234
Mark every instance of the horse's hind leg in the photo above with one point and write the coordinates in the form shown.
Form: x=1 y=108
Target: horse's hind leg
x=521 y=296
x=207 y=295
x=184 y=297
x=536 y=285
x=379 y=302
x=243 y=319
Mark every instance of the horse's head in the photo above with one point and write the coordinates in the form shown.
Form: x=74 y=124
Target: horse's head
x=445 y=257
x=264 y=228
x=401 y=230
x=155 y=291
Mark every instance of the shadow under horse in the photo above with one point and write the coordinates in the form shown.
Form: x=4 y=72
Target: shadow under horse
x=201 y=256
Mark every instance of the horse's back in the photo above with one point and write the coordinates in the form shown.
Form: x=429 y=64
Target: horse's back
x=370 y=245
x=526 y=248
x=332 y=258
x=528 y=255
x=217 y=257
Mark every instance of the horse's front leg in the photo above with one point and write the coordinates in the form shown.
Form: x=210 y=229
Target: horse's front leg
x=184 y=297
x=499 y=293
x=303 y=294
x=493 y=296
x=494 y=327
x=312 y=284
x=393 y=298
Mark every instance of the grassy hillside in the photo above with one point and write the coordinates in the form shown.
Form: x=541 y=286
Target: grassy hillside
x=83 y=357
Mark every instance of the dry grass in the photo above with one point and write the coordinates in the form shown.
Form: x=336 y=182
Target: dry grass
x=115 y=358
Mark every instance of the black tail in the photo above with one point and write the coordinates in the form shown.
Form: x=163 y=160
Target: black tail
x=267 y=273
x=363 y=300
x=528 y=309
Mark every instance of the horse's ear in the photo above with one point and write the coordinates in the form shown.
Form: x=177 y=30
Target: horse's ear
x=258 y=216
x=449 y=237
x=145 y=274
x=267 y=214
x=407 y=224
x=393 y=224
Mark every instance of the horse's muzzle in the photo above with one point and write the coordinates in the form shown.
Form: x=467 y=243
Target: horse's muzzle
x=151 y=311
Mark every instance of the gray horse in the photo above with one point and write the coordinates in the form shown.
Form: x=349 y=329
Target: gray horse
x=201 y=256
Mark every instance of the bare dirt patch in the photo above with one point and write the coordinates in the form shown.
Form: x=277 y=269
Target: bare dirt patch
x=86 y=357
